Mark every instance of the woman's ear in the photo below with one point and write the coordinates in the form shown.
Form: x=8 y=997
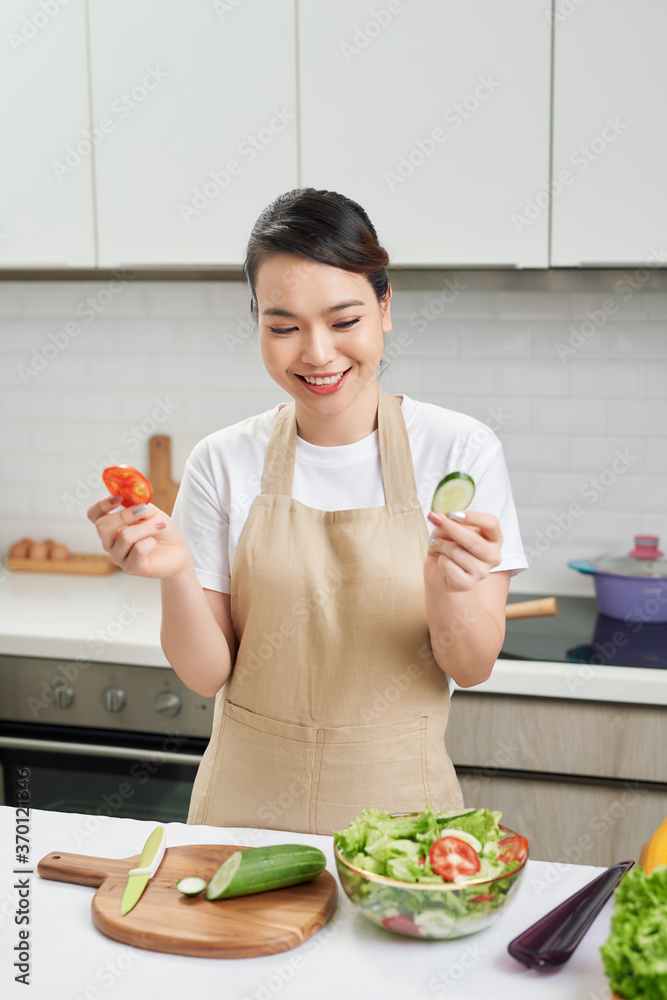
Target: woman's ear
x=386 y=311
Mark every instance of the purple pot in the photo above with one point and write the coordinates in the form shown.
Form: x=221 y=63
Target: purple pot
x=632 y=587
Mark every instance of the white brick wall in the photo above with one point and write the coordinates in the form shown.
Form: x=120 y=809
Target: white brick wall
x=568 y=387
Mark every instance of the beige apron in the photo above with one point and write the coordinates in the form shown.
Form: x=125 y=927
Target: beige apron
x=335 y=703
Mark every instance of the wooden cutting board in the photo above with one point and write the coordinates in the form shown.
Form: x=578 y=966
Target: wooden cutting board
x=159 y=472
x=166 y=920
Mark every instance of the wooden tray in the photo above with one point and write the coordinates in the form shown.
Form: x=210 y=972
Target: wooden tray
x=166 y=920
x=78 y=562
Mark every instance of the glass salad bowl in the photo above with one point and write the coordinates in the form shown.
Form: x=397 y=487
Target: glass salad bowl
x=425 y=909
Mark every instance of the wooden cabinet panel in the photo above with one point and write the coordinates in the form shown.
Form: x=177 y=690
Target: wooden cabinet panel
x=567 y=822
x=586 y=782
x=559 y=736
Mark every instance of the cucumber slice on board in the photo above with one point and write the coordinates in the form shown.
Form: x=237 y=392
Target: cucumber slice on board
x=191 y=886
x=259 y=869
x=454 y=492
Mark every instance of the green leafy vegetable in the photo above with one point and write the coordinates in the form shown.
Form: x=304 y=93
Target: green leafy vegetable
x=635 y=955
x=398 y=846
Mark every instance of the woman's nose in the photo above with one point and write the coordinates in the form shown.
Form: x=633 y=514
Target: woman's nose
x=318 y=348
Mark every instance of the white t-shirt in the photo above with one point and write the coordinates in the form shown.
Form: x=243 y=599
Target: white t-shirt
x=223 y=477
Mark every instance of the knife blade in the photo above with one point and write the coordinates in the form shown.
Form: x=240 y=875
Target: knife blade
x=149 y=862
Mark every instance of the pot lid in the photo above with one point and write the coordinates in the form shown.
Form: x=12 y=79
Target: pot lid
x=645 y=559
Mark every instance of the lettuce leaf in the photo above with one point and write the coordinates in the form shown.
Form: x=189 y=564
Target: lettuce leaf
x=392 y=845
x=635 y=954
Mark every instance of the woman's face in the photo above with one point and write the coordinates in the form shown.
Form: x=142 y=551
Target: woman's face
x=319 y=321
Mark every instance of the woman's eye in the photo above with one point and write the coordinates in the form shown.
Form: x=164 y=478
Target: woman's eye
x=343 y=325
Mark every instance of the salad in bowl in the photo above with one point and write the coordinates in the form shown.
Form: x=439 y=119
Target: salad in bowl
x=434 y=874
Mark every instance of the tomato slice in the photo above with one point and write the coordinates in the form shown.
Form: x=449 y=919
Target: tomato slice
x=515 y=849
x=482 y=899
x=402 y=925
x=452 y=856
x=129 y=483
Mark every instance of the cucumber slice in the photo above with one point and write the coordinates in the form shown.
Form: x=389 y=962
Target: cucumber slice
x=259 y=869
x=191 y=886
x=454 y=492
x=450 y=831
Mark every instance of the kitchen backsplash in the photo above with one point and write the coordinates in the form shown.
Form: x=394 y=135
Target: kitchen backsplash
x=574 y=384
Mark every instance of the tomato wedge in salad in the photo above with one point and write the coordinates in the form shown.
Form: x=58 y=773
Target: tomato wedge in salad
x=451 y=856
x=514 y=849
x=129 y=483
x=402 y=925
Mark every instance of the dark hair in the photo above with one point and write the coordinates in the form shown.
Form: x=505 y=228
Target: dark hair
x=322 y=226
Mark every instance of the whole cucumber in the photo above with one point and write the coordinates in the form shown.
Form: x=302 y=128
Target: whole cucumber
x=259 y=869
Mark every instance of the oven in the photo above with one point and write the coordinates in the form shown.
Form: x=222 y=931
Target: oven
x=101 y=738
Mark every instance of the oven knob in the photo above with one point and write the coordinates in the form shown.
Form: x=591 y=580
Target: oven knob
x=167 y=703
x=114 y=699
x=63 y=695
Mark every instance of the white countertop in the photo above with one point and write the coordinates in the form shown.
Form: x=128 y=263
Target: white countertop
x=116 y=619
x=113 y=618
x=348 y=958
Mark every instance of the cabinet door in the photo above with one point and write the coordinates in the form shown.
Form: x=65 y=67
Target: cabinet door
x=580 y=823
x=435 y=117
x=47 y=205
x=199 y=103
x=610 y=134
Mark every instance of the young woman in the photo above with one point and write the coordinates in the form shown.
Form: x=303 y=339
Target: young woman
x=299 y=582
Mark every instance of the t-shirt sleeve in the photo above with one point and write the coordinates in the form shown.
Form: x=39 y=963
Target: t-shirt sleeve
x=493 y=494
x=201 y=514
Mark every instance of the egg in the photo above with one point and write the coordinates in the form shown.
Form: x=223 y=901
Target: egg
x=59 y=552
x=21 y=550
x=39 y=550
x=49 y=545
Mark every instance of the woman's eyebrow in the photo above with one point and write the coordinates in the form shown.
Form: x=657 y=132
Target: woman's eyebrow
x=275 y=311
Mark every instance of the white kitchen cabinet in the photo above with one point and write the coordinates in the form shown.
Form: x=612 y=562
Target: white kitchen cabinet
x=47 y=206
x=610 y=134
x=200 y=105
x=434 y=116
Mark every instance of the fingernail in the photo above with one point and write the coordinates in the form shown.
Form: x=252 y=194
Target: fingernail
x=435 y=518
x=114 y=500
x=140 y=509
x=162 y=524
x=457 y=515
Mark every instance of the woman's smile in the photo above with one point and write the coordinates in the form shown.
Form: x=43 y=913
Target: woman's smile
x=325 y=383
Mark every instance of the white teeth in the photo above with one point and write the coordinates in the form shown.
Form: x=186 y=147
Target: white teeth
x=324 y=381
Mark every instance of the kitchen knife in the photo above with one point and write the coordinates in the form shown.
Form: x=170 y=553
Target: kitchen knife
x=149 y=862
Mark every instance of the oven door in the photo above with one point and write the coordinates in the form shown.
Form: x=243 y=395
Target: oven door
x=101 y=772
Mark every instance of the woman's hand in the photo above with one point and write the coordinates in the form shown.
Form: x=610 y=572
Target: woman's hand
x=146 y=543
x=461 y=553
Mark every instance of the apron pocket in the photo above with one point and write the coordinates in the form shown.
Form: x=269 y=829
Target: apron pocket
x=361 y=767
x=264 y=773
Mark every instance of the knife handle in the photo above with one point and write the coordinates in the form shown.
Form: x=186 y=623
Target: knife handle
x=532 y=609
x=80 y=868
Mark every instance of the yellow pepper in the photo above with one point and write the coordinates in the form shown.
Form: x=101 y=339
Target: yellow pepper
x=656 y=853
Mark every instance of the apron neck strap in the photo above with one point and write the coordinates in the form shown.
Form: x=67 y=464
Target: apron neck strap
x=395 y=456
